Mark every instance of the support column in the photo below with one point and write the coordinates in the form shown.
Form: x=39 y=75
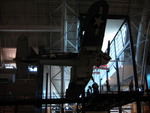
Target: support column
x=117 y=68
x=0 y=52
x=138 y=106
x=108 y=111
x=46 y=91
x=77 y=36
x=16 y=109
x=133 y=56
x=120 y=109
x=107 y=82
x=64 y=27
x=62 y=82
x=62 y=87
x=100 y=85
x=83 y=102
x=39 y=82
x=50 y=87
x=39 y=88
x=64 y=47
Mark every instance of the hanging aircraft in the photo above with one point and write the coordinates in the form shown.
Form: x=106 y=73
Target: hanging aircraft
x=82 y=63
x=90 y=53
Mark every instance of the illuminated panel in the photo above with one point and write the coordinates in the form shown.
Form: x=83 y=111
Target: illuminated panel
x=148 y=81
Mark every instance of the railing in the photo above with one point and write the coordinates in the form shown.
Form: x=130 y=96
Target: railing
x=113 y=89
x=9 y=95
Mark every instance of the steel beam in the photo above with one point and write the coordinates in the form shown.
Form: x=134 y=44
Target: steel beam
x=133 y=56
x=117 y=67
x=30 y=28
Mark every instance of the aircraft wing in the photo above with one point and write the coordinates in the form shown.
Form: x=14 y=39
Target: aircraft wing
x=95 y=24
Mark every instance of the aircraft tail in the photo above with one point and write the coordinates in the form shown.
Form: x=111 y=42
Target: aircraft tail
x=22 y=47
x=23 y=52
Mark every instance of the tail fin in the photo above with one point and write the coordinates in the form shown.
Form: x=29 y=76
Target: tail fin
x=22 y=53
x=22 y=47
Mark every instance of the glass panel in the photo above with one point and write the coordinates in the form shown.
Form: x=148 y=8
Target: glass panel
x=119 y=44
x=148 y=81
x=123 y=60
x=125 y=69
x=112 y=78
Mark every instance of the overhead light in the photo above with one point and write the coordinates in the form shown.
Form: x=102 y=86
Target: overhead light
x=83 y=32
x=32 y=69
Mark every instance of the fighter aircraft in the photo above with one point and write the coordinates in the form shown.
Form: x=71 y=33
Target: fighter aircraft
x=82 y=63
x=90 y=53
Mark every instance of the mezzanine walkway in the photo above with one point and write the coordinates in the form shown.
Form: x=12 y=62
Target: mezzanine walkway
x=100 y=102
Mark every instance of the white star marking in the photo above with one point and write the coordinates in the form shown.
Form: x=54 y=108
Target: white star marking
x=98 y=21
